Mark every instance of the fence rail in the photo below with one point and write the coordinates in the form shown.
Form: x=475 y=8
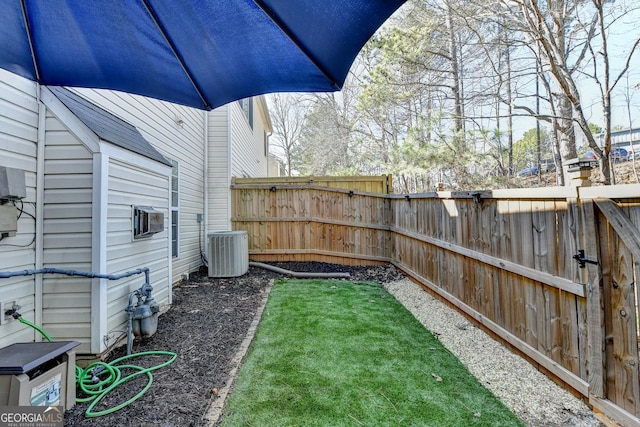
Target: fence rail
x=551 y=272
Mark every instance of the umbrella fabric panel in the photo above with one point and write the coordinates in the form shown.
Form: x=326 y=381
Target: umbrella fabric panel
x=201 y=53
x=338 y=29
x=15 y=54
x=239 y=51
x=114 y=45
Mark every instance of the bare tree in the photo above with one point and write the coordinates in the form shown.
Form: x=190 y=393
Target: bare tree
x=628 y=96
x=329 y=143
x=548 y=25
x=439 y=93
x=601 y=73
x=288 y=113
x=566 y=31
x=453 y=58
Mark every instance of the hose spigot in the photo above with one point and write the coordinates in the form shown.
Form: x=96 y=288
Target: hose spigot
x=13 y=312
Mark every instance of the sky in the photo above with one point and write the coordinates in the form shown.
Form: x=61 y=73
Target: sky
x=627 y=31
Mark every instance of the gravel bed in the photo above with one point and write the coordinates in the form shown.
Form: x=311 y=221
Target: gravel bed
x=534 y=398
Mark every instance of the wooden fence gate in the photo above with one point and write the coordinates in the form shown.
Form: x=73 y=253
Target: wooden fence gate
x=612 y=239
x=551 y=272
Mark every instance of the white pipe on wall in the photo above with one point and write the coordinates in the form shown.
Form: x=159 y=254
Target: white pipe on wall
x=205 y=184
x=39 y=223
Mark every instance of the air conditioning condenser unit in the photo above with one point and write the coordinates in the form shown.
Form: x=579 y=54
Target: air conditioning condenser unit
x=228 y=253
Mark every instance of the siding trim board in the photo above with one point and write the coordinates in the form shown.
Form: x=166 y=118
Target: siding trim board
x=99 y=250
x=39 y=226
x=169 y=237
x=81 y=132
x=230 y=153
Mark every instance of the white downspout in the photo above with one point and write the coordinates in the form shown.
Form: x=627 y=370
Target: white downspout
x=268 y=152
x=39 y=223
x=229 y=162
x=170 y=234
x=205 y=185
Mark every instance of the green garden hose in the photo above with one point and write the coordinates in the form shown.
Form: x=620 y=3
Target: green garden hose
x=97 y=390
x=99 y=378
x=36 y=327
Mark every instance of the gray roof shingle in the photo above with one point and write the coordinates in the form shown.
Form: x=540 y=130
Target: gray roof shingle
x=108 y=126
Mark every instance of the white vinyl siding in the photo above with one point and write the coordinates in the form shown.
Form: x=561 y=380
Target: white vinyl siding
x=219 y=174
x=67 y=240
x=248 y=157
x=130 y=185
x=82 y=237
x=18 y=149
x=178 y=133
x=235 y=149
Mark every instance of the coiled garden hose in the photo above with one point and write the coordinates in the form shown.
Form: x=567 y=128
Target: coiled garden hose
x=99 y=378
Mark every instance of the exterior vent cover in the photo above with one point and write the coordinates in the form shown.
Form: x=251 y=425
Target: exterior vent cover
x=146 y=222
x=228 y=253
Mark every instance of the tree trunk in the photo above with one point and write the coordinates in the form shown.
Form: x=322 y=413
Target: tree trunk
x=509 y=109
x=565 y=131
x=455 y=73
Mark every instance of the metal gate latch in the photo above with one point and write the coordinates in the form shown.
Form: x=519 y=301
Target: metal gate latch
x=582 y=260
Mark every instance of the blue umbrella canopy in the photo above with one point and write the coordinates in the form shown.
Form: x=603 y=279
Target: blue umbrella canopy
x=200 y=53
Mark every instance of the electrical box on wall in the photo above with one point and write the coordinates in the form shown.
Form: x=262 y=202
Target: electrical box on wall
x=8 y=220
x=146 y=222
x=12 y=184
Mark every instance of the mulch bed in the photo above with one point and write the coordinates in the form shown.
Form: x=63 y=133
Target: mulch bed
x=205 y=326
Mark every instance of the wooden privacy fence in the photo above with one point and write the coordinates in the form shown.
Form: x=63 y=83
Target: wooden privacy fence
x=306 y=218
x=550 y=271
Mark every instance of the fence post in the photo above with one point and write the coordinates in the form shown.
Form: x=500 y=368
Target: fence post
x=595 y=308
x=579 y=171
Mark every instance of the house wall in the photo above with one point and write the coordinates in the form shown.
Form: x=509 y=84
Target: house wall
x=235 y=149
x=178 y=133
x=135 y=183
x=71 y=185
x=18 y=149
x=248 y=157
x=67 y=234
x=276 y=167
x=218 y=174
x=88 y=199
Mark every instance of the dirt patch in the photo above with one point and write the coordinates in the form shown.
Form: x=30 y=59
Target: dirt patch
x=205 y=326
x=625 y=173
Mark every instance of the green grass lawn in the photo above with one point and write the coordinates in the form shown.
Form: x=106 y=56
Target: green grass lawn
x=338 y=353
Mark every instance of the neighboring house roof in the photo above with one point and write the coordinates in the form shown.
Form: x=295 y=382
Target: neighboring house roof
x=107 y=126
